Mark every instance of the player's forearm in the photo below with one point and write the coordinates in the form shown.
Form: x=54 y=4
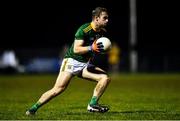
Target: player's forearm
x=81 y=49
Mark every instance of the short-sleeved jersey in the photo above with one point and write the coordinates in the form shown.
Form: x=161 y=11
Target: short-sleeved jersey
x=86 y=33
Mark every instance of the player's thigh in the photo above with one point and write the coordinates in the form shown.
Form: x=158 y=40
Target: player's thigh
x=63 y=79
x=94 y=73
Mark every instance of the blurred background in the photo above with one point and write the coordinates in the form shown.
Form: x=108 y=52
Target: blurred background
x=35 y=35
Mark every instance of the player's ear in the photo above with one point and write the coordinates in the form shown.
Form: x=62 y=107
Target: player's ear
x=96 y=18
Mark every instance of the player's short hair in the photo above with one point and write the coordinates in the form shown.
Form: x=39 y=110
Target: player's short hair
x=97 y=11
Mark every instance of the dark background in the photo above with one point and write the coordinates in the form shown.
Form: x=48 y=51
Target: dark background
x=42 y=28
x=51 y=24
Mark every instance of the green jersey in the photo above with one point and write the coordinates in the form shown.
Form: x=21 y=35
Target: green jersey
x=86 y=33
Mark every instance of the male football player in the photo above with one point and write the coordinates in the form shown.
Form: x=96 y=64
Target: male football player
x=77 y=62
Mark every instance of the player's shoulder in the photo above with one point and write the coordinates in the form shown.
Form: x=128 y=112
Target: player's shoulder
x=86 y=27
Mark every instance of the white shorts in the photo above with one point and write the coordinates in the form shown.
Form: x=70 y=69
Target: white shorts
x=73 y=66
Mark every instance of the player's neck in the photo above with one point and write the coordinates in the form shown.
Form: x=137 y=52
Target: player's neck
x=95 y=27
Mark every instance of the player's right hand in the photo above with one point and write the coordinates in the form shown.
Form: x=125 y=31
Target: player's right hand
x=97 y=47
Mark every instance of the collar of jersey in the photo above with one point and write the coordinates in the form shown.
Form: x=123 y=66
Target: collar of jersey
x=93 y=26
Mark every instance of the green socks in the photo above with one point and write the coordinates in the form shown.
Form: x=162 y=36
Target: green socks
x=35 y=107
x=93 y=100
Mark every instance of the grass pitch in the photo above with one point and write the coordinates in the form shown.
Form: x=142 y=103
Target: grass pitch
x=130 y=97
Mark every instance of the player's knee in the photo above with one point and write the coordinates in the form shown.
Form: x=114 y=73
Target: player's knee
x=61 y=88
x=58 y=90
x=106 y=78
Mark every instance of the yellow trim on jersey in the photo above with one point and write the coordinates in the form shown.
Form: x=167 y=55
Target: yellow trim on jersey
x=88 y=28
x=93 y=26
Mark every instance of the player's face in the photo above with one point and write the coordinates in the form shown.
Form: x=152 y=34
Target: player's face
x=103 y=19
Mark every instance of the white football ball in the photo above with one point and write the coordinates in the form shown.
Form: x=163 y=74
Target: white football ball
x=106 y=43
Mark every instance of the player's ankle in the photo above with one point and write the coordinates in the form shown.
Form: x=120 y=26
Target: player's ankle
x=93 y=101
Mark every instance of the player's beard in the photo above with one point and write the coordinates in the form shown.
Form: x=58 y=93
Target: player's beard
x=103 y=26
